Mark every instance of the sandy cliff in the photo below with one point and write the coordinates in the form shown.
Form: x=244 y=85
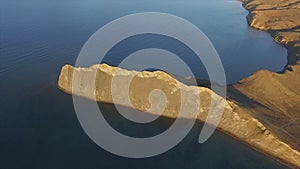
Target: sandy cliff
x=236 y=121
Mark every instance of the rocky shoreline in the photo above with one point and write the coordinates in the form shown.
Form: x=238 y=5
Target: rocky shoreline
x=262 y=110
x=236 y=120
x=275 y=97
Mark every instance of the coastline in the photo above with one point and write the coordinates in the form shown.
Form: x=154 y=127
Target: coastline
x=290 y=165
x=267 y=16
x=262 y=108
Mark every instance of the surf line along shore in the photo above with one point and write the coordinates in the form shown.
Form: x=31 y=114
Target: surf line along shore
x=262 y=110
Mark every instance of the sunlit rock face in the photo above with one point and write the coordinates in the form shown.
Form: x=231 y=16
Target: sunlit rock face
x=104 y=83
x=140 y=90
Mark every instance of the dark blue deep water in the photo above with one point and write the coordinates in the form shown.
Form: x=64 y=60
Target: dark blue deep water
x=38 y=125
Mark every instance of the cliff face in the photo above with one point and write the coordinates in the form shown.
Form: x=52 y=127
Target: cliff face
x=235 y=121
x=108 y=79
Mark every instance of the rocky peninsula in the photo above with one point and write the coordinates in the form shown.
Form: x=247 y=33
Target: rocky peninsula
x=236 y=120
x=262 y=110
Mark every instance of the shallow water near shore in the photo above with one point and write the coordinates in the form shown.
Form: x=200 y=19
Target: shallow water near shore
x=38 y=125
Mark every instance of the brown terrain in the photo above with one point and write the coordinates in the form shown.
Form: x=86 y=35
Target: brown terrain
x=276 y=96
x=262 y=110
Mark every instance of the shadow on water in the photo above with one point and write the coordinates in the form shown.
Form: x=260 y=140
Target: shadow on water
x=39 y=129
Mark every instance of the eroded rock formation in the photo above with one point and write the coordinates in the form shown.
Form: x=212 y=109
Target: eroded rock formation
x=235 y=120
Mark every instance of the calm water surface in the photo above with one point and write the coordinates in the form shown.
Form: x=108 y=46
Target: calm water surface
x=38 y=125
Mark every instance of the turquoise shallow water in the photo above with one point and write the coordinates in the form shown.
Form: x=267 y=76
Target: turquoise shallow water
x=38 y=125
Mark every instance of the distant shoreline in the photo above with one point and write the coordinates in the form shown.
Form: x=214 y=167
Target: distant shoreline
x=265 y=87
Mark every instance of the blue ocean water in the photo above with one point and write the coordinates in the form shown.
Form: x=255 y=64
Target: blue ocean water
x=38 y=125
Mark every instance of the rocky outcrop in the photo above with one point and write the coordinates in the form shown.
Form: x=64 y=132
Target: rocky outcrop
x=235 y=120
x=109 y=87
